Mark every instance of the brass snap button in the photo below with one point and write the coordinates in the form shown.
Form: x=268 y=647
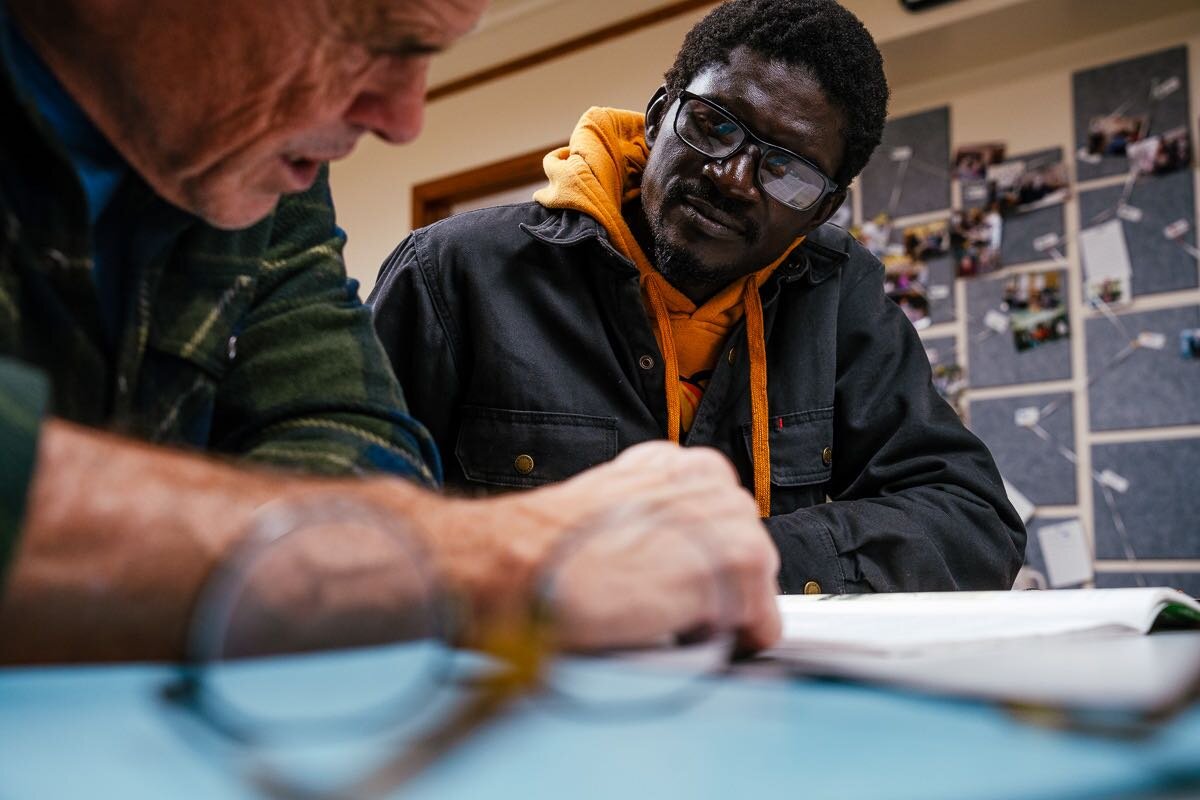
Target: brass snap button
x=646 y=362
x=827 y=456
x=812 y=587
x=523 y=464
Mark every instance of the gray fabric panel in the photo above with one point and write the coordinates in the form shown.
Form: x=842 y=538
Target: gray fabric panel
x=1161 y=509
x=1159 y=264
x=926 y=183
x=1150 y=388
x=1126 y=85
x=994 y=359
x=1186 y=582
x=1020 y=230
x=1034 y=466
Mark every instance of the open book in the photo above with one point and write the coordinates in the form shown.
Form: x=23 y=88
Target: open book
x=1067 y=648
x=910 y=623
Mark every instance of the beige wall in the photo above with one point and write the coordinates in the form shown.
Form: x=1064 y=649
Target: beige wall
x=1016 y=89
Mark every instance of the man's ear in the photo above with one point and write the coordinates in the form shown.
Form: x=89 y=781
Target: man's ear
x=655 y=110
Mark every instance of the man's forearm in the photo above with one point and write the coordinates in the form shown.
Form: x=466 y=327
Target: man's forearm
x=120 y=536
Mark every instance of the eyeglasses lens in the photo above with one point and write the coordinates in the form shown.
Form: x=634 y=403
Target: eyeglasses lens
x=789 y=180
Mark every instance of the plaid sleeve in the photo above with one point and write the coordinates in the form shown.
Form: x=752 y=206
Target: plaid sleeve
x=312 y=388
x=23 y=393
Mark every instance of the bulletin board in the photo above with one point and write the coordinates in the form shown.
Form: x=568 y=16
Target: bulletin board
x=1056 y=293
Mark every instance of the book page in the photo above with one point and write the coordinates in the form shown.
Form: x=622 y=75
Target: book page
x=909 y=623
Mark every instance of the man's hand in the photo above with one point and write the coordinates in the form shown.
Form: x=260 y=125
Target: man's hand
x=663 y=540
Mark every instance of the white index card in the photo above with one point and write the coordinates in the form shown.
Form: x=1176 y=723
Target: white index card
x=1066 y=553
x=1028 y=416
x=1114 y=481
x=1129 y=213
x=1151 y=340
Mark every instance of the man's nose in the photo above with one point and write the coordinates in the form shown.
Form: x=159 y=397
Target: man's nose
x=391 y=101
x=734 y=175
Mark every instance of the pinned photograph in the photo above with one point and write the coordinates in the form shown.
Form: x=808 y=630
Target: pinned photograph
x=923 y=242
x=1107 y=272
x=1162 y=154
x=906 y=275
x=975 y=238
x=1036 y=309
x=1020 y=186
x=972 y=160
x=1111 y=135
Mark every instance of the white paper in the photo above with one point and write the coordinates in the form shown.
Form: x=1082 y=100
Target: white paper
x=1113 y=481
x=1106 y=264
x=1020 y=502
x=912 y=623
x=1066 y=553
x=1027 y=417
x=1151 y=340
x=996 y=320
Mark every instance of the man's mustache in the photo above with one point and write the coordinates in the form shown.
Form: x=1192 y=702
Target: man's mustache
x=682 y=189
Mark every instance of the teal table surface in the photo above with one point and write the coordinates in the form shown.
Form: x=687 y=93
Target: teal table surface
x=101 y=732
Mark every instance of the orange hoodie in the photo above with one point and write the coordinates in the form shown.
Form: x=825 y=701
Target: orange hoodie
x=596 y=173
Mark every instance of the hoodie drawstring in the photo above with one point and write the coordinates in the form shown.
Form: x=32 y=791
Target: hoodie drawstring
x=757 y=352
x=760 y=439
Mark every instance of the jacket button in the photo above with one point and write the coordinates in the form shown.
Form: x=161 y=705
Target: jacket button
x=523 y=464
x=827 y=456
x=812 y=587
x=732 y=355
x=646 y=362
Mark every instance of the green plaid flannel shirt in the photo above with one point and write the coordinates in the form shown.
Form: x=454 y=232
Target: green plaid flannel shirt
x=250 y=343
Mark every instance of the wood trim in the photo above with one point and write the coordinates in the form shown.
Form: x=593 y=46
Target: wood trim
x=590 y=39
x=433 y=200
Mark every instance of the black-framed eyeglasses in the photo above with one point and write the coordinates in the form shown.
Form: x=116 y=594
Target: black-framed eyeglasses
x=714 y=132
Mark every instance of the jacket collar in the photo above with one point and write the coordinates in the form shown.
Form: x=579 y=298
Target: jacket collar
x=821 y=254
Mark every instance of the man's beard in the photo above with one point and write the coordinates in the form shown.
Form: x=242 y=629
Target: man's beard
x=680 y=266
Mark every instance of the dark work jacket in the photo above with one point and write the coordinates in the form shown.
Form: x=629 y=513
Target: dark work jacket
x=519 y=331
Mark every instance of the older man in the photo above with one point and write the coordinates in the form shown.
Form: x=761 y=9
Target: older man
x=171 y=273
x=676 y=280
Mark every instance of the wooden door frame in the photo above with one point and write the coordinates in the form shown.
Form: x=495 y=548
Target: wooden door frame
x=433 y=200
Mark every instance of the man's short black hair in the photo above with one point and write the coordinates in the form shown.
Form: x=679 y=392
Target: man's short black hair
x=817 y=35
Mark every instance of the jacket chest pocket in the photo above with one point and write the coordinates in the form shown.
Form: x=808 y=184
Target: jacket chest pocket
x=502 y=447
x=801 y=458
x=192 y=344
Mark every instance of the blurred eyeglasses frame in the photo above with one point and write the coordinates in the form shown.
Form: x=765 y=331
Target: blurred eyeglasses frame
x=827 y=184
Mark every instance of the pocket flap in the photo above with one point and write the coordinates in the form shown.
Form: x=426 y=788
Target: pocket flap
x=196 y=319
x=529 y=448
x=801 y=447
